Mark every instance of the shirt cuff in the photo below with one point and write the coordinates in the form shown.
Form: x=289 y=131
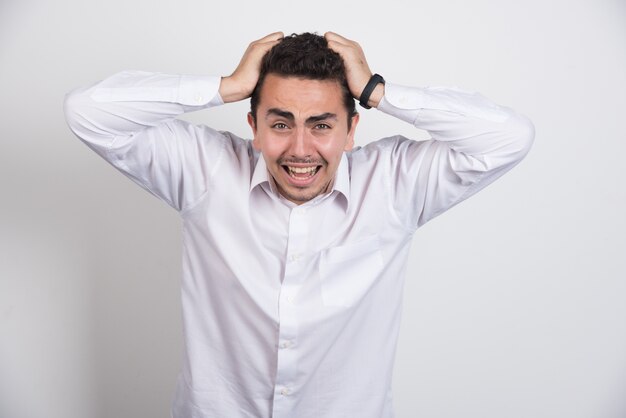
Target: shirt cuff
x=142 y=86
x=403 y=102
x=202 y=91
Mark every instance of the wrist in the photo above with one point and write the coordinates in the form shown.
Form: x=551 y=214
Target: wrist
x=377 y=95
x=372 y=92
x=230 y=90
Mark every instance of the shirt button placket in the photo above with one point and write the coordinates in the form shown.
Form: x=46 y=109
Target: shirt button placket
x=287 y=365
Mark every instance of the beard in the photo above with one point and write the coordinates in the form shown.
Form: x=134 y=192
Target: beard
x=303 y=194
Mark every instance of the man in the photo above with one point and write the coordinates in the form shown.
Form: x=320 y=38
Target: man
x=295 y=243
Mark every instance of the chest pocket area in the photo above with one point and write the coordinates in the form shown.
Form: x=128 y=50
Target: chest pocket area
x=347 y=272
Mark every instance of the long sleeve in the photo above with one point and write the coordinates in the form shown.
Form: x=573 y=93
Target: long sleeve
x=129 y=119
x=473 y=142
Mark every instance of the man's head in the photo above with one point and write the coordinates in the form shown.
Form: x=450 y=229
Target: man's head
x=302 y=115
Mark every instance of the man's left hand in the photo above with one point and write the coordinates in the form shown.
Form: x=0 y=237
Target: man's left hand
x=357 y=70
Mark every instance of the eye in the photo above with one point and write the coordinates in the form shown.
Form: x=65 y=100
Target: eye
x=279 y=125
x=322 y=126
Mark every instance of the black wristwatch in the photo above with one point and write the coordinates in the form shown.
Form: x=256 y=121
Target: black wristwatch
x=369 y=88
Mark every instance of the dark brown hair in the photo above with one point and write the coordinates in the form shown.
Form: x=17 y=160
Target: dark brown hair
x=307 y=56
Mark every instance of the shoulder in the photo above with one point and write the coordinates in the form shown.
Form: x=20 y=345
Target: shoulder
x=204 y=133
x=373 y=156
x=384 y=147
x=220 y=146
x=376 y=147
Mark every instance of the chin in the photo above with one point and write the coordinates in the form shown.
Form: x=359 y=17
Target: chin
x=297 y=195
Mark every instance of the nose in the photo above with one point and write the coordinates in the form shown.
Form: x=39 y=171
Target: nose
x=301 y=144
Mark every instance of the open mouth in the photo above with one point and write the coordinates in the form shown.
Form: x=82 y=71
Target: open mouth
x=301 y=173
x=301 y=176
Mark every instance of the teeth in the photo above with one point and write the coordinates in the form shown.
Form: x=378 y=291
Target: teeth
x=302 y=170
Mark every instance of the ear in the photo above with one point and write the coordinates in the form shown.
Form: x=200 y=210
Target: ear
x=350 y=140
x=255 y=141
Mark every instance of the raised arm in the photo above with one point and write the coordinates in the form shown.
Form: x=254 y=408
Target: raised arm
x=474 y=141
x=129 y=119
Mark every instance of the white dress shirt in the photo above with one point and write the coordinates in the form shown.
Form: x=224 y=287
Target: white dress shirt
x=293 y=311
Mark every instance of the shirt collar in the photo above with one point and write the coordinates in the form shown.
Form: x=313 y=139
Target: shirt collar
x=260 y=174
x=341 y=182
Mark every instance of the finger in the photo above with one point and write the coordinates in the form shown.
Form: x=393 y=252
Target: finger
x=259 y=48
x=263 y=47
x=335 y=37
x=344 y=50
x=272 y=37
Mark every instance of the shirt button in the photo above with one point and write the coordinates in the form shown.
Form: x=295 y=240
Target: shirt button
x=198 y=99
x=285 y=344
x=284 y=391
x=290 y=299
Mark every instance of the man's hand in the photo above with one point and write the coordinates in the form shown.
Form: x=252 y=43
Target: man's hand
x=357 y=70
x=240 y=84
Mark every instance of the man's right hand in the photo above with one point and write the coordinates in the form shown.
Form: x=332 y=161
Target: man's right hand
x=240 y=84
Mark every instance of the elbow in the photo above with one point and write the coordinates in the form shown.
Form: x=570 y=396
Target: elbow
x=88 y=120
x=521 y=135
x=73 y=105
x=79 y=114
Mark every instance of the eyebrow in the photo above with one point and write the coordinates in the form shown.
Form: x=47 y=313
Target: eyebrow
x=289 y=116
x=323 y=116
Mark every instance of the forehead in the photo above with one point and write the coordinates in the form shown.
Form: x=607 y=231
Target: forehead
x=301 y=96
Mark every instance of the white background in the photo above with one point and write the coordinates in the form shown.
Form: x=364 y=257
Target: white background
x=515 y=300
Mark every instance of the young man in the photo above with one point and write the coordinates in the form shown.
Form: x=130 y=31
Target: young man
x=295 y=244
